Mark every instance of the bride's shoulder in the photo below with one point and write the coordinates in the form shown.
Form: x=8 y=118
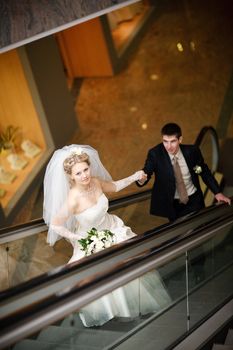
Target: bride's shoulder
x=73 y=192
x=96 y=181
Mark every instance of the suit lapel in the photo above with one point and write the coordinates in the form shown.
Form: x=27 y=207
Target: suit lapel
x=168 y=164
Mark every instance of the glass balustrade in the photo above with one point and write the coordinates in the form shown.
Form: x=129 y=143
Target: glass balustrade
x=210 y=281
x=31 y=256
x=156 y=309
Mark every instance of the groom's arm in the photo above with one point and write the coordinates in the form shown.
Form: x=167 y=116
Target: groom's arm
x=148 y=169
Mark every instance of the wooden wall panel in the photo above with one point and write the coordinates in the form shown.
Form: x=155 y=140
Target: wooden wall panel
x=84 y=50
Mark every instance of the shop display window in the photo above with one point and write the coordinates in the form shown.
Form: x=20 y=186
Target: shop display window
x=22 y=140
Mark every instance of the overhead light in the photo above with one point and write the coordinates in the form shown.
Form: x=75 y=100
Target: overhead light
x=180 y=47
x=154 y=77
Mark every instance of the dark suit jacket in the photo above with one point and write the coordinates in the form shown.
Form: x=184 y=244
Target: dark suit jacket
x=158 y=163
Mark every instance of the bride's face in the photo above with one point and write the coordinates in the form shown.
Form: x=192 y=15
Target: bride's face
x=81 y=173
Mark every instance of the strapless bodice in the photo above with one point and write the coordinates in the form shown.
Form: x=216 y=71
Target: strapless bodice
x=98 y=217
x=93 y=216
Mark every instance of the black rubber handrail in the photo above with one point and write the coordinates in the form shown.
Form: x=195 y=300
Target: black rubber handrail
x=202 y=134
x=215 y=143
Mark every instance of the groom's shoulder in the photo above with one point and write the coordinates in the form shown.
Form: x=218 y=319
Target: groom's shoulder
x=189 y=147
x=157 y=149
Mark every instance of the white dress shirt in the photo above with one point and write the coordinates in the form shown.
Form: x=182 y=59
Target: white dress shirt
x=191 y=189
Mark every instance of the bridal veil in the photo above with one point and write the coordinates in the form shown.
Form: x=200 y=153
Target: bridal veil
x=56 y=184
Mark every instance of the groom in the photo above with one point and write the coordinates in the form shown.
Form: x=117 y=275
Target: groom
x=176 y=190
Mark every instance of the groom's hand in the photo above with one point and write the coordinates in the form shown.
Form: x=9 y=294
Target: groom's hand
x=142 y=178
x=221 y=198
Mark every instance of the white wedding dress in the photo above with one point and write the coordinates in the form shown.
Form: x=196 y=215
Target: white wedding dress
x=144 y=295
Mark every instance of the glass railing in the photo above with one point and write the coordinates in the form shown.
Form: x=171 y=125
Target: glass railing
x=151 y=291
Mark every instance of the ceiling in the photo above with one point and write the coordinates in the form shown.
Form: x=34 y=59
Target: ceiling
x=24 y=21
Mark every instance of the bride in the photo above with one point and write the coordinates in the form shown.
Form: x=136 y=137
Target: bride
x=75 y=184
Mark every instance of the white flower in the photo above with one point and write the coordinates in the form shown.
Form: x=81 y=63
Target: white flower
x=99 y=246
x=88 y=251
x=101 y=235
x=96 y=241
x=78 y=151
x=197 y=169
x=108 y=244
x=91 y=246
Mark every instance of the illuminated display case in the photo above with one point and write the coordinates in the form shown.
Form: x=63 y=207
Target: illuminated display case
x=36 y=103
x=18 y=110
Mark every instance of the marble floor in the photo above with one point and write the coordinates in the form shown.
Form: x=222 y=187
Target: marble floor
x=181 y=71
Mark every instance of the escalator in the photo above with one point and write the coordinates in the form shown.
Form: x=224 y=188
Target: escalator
x=41 y=298
x=193 y=259
x=26 y=254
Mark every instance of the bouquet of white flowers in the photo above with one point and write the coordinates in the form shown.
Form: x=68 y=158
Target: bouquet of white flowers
x=96 y=241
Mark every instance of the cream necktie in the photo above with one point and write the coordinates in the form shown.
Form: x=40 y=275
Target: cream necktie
x=180 y=185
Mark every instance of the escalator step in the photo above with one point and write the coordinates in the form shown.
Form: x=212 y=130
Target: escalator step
x=117 y=324
x=29 y=344
x=222 y=347
x=70 y=335
x=73 y=321
x=229 y=337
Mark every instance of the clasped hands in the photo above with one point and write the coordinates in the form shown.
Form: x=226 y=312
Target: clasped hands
x=142 y=177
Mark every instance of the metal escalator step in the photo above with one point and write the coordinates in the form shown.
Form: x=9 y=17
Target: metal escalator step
x=117 y=324
x=229 y=337
x=73 y=321
x=97 y=338
x=228 y=191
x=222 y=347
x=28 y=344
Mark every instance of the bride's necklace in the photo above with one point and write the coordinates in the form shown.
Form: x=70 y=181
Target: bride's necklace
x=88 y=191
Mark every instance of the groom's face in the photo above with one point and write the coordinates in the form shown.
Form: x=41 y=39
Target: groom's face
x=171 y=143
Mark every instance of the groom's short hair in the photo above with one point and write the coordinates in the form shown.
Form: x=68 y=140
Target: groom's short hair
x=171 y=129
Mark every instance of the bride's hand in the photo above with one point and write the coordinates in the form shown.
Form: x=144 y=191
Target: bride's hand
x=142 y=176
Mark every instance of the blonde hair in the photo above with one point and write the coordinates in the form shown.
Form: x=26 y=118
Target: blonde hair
x=73 y=159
